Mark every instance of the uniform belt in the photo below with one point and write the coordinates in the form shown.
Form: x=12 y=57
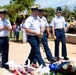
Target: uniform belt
x=3 y=36
x=59 y=29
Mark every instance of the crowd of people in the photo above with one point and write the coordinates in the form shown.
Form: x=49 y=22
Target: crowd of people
x=34 y=29
x=71 y=25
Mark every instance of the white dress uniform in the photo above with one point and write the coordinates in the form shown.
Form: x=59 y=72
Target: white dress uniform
x=33 y=24
x=44 y=21
x=4 y=41
x=5 y=22
x=45 y=41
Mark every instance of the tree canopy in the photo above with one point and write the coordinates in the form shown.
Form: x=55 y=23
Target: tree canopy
x=17 y=6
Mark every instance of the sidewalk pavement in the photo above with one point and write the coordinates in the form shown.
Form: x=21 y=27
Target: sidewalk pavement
x=20 y=51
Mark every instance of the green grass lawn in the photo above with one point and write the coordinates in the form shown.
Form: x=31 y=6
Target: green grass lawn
x=11 y=38
x=20 y=37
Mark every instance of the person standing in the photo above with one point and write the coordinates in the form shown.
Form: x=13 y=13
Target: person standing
x=33 y=27
x=58 y=29
x=14 y=27
x=17 y=31
x=5 y=26
x=46 y=33
x=24 y=35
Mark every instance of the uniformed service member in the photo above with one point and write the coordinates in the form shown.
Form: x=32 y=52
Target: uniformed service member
x=5 y=26
x=46 y=33
x=33 y=27
x=58 y=29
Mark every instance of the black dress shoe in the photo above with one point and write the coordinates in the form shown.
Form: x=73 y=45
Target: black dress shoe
x=58 y=58
x=66 y=58
x=5 y=66
x=34 y=61
x=52 y=61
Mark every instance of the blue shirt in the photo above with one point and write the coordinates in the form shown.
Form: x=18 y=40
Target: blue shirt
x=44 y=22
x=33 y=24
x=58 y=22
x=7 y=23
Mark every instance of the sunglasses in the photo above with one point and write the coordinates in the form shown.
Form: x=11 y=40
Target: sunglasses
x=58 y=12
x=40 y=10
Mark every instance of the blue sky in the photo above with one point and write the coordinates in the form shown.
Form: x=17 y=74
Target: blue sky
x=48 y=3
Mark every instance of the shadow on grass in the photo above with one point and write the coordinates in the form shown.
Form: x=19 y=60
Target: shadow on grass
x=0 y=63
x=18 y=41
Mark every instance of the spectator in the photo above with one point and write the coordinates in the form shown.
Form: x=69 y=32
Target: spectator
x=67 y=25
x=72 y=25
x=17 y=32
x=14 y=27
x=24 y=35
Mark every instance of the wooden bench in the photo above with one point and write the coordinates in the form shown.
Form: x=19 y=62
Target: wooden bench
x=71 y=38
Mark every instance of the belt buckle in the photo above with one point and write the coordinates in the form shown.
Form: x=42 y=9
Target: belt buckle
x=60 y=28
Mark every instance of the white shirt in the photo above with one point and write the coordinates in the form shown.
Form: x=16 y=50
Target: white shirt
x=17 y=28
x=33 y=24
x=44 y=21
x=58 y=22
x=22 y=27
x=7 y=23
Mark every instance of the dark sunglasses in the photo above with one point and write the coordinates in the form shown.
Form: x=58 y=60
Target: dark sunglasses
x=34 y=9
x=40 y=10
x=58 y=12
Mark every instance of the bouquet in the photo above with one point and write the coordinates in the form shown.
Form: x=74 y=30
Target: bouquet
x=29 y=69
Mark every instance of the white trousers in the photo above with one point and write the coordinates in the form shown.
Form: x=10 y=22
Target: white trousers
x=24 y=36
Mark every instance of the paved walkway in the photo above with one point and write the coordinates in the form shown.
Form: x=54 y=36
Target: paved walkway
x=19 y=52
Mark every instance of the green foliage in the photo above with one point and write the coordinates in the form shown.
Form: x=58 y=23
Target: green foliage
x=66 y=12
x=49 y=12
x=74 y=12
x=17 y=6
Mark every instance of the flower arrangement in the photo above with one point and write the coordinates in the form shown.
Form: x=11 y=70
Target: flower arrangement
x=57 y=68
x=29 y=69
x=63 y=68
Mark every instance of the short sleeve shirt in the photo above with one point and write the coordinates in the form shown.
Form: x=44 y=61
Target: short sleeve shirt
x=58 y=22
x=33 y=24
x=44 y=21
x=7 y=23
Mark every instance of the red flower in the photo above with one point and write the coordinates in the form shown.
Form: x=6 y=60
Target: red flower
x=69 y=68
x=15 y=72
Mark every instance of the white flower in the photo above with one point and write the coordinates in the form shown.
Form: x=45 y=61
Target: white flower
x=65 y=66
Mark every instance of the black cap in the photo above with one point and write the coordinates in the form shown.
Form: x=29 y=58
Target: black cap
x=40 y=9
x=3 y=11
x=34 y=8
x=59 y=8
